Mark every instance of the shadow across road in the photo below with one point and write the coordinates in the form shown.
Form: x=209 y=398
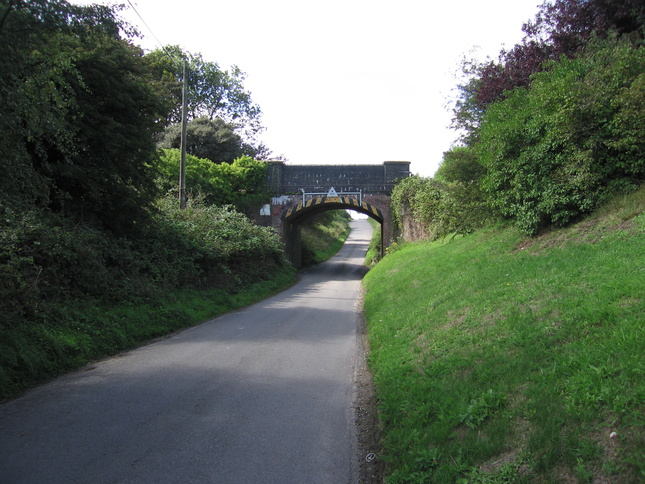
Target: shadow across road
x=263 y=394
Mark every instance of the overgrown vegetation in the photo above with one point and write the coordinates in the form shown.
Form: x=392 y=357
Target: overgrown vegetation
x=549 y=131
x=501 y=358
x=240 y=183
x=323 y=235
x=74 y=284
x=374 y=251
x=95 y=256
x=556 y=150
x=436 y=207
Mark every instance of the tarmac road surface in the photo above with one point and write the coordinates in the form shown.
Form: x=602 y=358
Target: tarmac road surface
x=261 y=395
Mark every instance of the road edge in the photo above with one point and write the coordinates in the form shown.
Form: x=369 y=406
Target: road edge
x=367 y=427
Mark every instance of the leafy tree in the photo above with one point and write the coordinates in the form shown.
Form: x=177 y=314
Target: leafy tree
x=214 y=139
x=80 y=113
x=561 y=28
x=467 y=112
x=555 y=150
x=464 y=207
x=513 y=69
x=460 y=164
x=211 y=92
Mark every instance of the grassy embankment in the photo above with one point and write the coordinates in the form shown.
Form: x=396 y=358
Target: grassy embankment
x=500 y=358
x=323 y=236
x=374 y=252
x=76 y=334
x=71 y=293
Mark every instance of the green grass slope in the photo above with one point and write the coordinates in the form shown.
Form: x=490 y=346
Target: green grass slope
x=75 y=335
x=499 y=358
x=323 y=236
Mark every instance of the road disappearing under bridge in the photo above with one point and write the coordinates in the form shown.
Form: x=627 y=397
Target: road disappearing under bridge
x=263 y=394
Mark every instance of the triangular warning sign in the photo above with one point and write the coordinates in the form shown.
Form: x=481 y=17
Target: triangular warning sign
x=332 y=192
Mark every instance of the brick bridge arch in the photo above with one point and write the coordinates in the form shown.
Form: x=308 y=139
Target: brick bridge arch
x=301 y=191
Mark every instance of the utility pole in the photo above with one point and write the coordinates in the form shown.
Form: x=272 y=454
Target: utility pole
x=182 y=162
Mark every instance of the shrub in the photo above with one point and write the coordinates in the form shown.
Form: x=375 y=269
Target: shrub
x=222 y=233
x=555 y=151
x=47 y=259
x=241 y=183
x=438 y=208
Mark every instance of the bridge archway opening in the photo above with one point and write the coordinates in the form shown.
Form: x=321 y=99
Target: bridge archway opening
x=294 y=217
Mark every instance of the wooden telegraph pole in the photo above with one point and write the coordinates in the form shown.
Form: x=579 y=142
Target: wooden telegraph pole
x=182 y=162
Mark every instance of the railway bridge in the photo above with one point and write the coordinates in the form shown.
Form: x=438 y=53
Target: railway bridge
x=301 y=191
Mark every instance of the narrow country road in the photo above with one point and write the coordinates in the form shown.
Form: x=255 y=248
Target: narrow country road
x=261 y=395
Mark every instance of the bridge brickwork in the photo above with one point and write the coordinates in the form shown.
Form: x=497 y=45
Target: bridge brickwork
x=301 y=191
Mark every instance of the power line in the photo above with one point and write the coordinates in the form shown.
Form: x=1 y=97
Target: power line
x=149 y=29
x=182 y=162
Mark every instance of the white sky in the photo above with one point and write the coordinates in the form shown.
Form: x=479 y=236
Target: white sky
x=343 y=81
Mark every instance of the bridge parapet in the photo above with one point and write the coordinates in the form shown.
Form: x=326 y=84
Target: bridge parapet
x=283 y=178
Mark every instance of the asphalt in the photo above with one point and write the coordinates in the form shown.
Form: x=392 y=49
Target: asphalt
x=261 y=395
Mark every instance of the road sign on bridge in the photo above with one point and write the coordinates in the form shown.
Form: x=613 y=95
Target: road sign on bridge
x=301 y=191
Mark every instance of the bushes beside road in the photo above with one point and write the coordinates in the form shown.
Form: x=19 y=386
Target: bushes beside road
x=70 y=293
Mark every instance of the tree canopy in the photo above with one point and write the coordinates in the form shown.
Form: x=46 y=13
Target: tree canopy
x=79 y=112
x=212 y=93
x=550 y=130
x=555 y=150
x=84 y=109
x=213 y=139
x=560 y=28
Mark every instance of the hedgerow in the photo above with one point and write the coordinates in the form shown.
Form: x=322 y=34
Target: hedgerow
x=545 y=155
x=45 y=258
x=556 y=150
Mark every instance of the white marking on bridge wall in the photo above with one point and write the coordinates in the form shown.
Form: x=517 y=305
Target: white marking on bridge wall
x=281 y=200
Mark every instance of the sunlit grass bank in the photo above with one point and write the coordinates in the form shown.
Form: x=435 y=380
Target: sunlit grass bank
x=374 y=252
x=75 y=335
x=499 y=358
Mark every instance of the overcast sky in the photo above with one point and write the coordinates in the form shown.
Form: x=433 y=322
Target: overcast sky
x=343 y=81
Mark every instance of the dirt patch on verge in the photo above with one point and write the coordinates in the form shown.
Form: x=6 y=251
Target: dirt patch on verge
x=371 y=468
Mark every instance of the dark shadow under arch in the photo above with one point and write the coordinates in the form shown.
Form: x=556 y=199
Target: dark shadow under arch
x=293 y=217
x=323 y=204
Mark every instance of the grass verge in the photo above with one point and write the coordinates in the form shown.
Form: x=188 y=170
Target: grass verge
x=75 y=335
x=323 y=236
x=374 y=251
x=498 y=358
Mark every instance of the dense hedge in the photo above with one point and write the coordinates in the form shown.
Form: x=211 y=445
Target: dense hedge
x=240 y=183
x=46 y=259
x=435 y=207
x=547 y=154
x=554 y=151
